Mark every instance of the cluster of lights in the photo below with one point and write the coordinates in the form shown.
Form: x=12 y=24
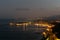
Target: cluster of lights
x=20 y=24
x=45 y=25
x=11 y=23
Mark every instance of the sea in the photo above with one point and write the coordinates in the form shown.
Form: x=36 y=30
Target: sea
x=8 y=32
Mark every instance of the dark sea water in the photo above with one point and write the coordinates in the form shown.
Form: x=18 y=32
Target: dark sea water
x=8 y=32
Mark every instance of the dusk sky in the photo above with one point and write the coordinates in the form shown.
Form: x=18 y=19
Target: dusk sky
x=29 y=8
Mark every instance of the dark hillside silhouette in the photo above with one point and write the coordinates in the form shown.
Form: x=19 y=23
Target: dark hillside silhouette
x=56 y=29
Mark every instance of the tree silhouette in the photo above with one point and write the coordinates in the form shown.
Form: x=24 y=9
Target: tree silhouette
x=56 y=29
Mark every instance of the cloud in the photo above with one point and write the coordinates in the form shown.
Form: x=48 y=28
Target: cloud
x=22 y=9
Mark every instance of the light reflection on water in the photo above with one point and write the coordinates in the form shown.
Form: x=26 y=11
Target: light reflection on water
x=16 y=30
x=31 y=28
x=28 y=28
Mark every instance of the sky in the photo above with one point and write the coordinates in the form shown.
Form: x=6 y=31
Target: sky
x=29 y=8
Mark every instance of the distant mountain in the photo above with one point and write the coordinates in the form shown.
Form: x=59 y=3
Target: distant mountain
x=55 y=17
